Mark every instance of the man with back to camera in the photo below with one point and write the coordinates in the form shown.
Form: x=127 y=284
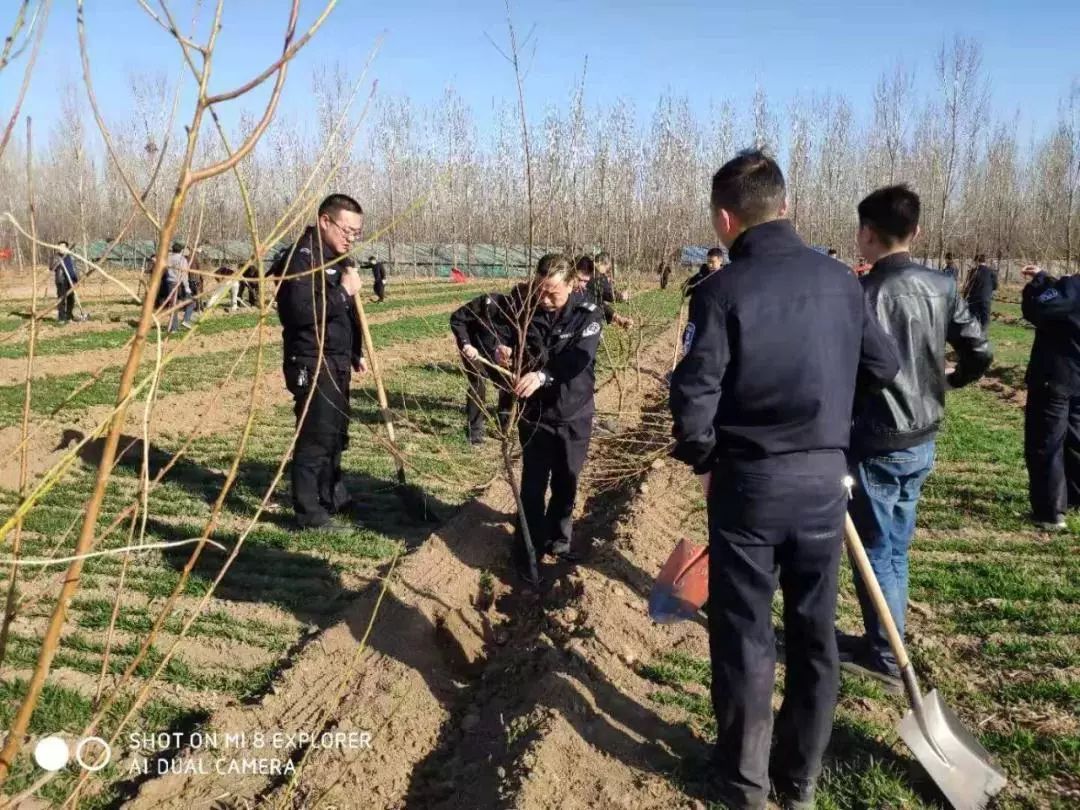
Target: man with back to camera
x=894 y=430
x=762 y=412
x=1052 y=413
x=378 y=279
x=979 y=291
x=950 y=268
x=65 y=276
x=323 y=347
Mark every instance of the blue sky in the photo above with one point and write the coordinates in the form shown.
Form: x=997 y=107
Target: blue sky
x=637 y=49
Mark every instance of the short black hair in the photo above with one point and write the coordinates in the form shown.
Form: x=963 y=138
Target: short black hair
x=715 y=253
x=339 y=202
x=751 y=186
x=176 y=247
x=64 y=242
x=948 y=257
x=892 y=213
x=556 y=264
x=584 y=265
x=980 y=258
x=832 y=251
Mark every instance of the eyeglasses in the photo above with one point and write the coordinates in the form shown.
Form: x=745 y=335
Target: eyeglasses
x=352 y=234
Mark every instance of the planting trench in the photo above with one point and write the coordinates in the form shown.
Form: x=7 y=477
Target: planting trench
x=472 y=704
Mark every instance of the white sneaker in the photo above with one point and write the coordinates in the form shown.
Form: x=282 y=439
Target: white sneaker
x=1058 y=525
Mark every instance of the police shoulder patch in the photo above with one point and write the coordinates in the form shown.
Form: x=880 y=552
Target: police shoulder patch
x=688 y=337
x=588 y=305
x=1049 y=295
x=592 y=329
x=304 y=250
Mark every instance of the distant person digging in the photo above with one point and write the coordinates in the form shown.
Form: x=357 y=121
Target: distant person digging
x=65 y=276
x=378 y=278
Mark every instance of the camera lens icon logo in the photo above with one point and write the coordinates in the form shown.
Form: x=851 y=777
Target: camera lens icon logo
x=53 y=754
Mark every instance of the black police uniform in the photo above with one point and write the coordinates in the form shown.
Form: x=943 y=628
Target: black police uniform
x=65 y=277
x=763 y=401
x=483 y=323
x=600 y=292
x=980 y=293
x=1052 y=415
x=378 y=276
x=692 y=283
x=556 y=424
x=314 y=307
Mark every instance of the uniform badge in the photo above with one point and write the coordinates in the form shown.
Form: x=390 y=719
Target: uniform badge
x=331 y=271
x=688 y=337
x=591 y=329
x=1049 y=295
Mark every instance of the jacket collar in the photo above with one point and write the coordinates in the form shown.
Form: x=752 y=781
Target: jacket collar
x=768 y=237
x=892 y=261
x=319 y=249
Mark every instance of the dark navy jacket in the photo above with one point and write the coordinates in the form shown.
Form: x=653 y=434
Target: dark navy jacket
x=313 y=307
x=64 y=273
x=980 y=288
x=1053 y=306
x=484 y=323
x=773 y=348
x=563 y=345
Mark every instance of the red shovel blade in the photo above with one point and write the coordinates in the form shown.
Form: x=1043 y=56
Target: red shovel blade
x=683 y=584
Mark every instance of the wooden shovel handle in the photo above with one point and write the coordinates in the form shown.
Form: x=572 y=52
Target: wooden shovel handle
x=862 y=563
x=373 y=361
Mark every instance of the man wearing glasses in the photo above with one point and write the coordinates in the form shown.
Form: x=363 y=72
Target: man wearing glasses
x=323 y=347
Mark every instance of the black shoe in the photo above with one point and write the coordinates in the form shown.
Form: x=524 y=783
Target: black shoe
x=475 y=440
x=867 y=665
x=794 y=794
x=850 y=647
x=565 y=552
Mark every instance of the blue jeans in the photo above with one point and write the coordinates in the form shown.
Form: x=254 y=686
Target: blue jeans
x=887 y=489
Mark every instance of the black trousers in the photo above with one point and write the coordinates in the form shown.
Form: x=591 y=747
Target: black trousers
x=980 y=312
x=1052 y=451
x=380 y=290
x=65 y=304
x=551 y=454
x=317 y=487
x=775 y=521
x=476 y=399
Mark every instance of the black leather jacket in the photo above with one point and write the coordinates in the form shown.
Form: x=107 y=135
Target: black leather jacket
x=921 y=310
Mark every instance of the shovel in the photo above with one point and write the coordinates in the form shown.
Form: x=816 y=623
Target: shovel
x=953 y=758
x=414 y=499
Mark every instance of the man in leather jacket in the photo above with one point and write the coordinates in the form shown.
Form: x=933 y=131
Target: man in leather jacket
x=894 y=430
x=1052 y=415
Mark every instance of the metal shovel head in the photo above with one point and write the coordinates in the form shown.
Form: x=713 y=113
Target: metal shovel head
x=969 y=778
x=682 y=586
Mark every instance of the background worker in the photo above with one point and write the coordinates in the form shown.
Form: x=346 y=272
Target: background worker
x=1052 y=414
x=478 y=328
x=979 y=291
x=65 y=277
